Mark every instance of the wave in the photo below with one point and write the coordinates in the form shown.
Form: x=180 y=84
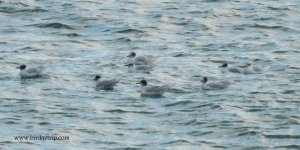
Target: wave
x=10 y=10
x=288 y=147
x=181 y=141
x=130 y=31
x=281 y=136
x=260 y=26
x=54 y=25
x=124 y=111
x=72 y=35
x=178 y=103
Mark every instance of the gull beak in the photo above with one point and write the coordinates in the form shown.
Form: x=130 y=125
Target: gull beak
x=220 y=66
x=138 y=83
x=128 y=56
x=126 y=65
x=18 y=68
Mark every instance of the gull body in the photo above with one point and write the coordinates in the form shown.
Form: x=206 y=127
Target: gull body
x=214 y=85
x=140 y=60
x=30 y=72
x=251 y=69
x=233 y=69
x=152 y=90
x=105 y=84
x=139 y=68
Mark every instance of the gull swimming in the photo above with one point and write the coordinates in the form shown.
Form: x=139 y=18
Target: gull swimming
x=226 y=68
x=30 y=72
x=214 y=85
x=105 y=84
x=152 y=90
x=139 y=68
x=251 y=69
x=140 y=60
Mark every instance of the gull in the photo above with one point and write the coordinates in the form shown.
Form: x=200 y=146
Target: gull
x=30 y=72
x=251 y=69
x=139 y=68
x=214 y=85
x=105 y=84
x=226 y=68
x=140 y=60
x=152 y=90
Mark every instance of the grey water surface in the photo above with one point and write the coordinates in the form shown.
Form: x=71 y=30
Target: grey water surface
x=78 y=39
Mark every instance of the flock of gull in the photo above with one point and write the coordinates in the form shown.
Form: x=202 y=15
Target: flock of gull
x=144 y=64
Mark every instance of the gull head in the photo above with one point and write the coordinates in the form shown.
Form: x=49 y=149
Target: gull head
x=97 y=77
x=142 y=82
x=22 y=67
x=204 y=80
x=131 y=55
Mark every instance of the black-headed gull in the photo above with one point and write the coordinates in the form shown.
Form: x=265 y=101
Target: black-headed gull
x=30 y=72
x=139 y=68
x=105 y=84
x=214 y=85
x=140 y=60
x=234 y=69
x=251 y=69
x=152 y=90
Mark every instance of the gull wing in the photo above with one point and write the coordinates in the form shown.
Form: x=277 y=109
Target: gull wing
x=235 y=70
x=108 y=83
x=157 y=89
x=36 y=70
x=218 y=85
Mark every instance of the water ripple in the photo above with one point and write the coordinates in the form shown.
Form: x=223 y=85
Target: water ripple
x=54 y=25
x=77 y=40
